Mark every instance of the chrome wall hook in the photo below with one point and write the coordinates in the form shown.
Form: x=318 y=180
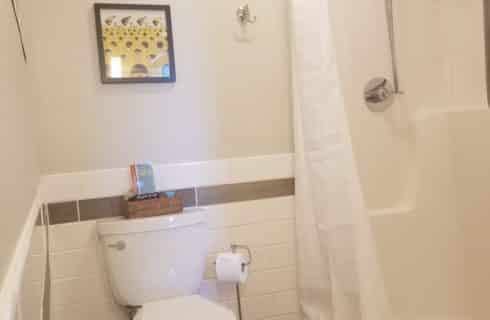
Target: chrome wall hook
x=244 y=15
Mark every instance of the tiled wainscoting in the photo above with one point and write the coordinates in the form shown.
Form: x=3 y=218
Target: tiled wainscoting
x=267 y=226
x=80 y=289
x=249 y=209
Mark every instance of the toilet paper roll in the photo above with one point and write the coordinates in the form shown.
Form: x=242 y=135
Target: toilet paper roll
x=229 y=267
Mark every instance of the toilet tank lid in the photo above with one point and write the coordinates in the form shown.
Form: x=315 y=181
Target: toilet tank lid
x=124 y=226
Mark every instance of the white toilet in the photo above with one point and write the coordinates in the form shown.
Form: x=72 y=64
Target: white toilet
x=156 y=265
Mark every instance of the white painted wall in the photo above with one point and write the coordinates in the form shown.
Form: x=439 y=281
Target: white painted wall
x=231 y=99
x=11 y=290
x=18 y=156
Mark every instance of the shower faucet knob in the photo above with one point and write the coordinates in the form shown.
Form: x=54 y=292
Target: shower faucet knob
x=379 y=94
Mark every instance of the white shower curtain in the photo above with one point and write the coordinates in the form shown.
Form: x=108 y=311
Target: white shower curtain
x=338 y=274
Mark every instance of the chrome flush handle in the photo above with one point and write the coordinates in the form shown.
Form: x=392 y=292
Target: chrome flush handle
x=119 y=246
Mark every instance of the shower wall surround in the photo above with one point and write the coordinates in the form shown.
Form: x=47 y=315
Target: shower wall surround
x=422 y=164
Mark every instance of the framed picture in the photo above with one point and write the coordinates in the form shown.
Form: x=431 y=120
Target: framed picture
x=135 y=43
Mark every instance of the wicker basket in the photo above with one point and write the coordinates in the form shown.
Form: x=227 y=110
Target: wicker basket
x=154 y=207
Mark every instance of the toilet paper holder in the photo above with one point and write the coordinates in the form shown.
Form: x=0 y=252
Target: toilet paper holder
x=236 y=247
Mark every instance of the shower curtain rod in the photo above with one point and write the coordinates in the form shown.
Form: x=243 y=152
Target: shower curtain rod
x=391 y=35
x=379 y=93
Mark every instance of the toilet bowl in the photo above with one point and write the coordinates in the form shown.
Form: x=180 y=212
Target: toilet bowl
x=184 y=308
x=157 y=265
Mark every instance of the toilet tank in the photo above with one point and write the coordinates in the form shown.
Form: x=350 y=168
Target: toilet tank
x=155 y=258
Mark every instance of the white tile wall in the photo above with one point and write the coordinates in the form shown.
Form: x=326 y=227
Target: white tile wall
x=70 y=264
x=271 y=305
x=32 y=300
x=80 y=288
x=32 y=290
x=81 y=311
x=114 y=182
x=72 y=236
x=292 y=316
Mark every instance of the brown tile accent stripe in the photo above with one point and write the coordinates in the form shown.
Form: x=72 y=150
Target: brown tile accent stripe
x=100 y=208
x=245 y=191
x=63 y=212
x=115 y=207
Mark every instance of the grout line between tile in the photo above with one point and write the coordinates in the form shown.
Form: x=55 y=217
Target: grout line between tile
x=251 y=223
x=295 y=290
x=292 y=267
x=71 y=251
x=41 y=212
x=78 y=211
x=46 y=207
x=279 y=315
x=90 y=276
x=290 y=244
x=256 y=246
x=270 y=293
x=36 y=282
x=265 y=246
x=196 y=196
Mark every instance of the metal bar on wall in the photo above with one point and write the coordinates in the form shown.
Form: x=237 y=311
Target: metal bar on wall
x=19 y=29
x=486 y=32
x=391 y=34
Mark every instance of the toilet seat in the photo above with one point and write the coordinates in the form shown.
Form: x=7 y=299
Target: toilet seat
x=184 y=308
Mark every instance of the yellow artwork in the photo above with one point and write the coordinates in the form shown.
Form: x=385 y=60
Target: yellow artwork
x=135 y=44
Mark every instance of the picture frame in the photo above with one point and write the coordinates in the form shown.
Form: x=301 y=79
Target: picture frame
x=135 y=43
